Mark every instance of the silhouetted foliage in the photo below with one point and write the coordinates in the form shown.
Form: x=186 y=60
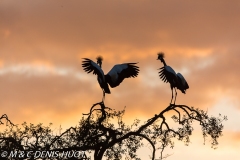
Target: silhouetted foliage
x=96 y=132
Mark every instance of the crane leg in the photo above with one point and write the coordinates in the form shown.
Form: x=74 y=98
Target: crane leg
x=172 y=97
x=175 y=96
x=103 y=96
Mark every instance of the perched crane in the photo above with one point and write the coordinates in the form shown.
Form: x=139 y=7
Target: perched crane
x=167 y=74
x=114 y=77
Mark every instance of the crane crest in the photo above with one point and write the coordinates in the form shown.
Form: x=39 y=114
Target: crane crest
x=160 y=55
x=99 y=58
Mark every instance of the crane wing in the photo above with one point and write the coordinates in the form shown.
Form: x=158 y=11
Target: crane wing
x=167 y=74
x=182 y=81
x=90 y=66
x=121 y=71
x=162 y=74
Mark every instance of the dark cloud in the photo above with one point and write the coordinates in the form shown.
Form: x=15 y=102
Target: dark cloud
x=53 y=30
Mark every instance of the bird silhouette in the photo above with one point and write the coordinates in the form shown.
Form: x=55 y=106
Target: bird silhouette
x=114 y=77
x=167 y=74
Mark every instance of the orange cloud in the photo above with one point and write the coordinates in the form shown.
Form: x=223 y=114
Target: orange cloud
x=200 y=40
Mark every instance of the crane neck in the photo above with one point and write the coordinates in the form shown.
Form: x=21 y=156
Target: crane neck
x=100 y=64
x=164 y=63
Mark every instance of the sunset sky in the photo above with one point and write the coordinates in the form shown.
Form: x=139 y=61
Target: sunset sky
x=42 y=44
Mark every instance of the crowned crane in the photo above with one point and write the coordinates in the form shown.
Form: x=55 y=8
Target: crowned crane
x=114 y=77
x=167 y=74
